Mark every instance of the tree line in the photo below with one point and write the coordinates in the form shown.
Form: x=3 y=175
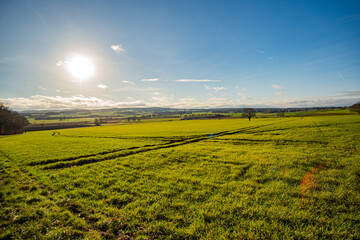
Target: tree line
x=10 y=121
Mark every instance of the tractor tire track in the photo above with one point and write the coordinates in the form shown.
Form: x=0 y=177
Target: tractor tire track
x=99 y=157
x=23 y=182
x=49 y=161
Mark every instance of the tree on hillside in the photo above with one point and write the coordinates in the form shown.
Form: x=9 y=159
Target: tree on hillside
x=11 y=122
x=249 y=113
x=280 y=114
x=97 y=122
x=355 y=107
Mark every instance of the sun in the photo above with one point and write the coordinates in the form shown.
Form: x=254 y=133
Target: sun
x=80 y=67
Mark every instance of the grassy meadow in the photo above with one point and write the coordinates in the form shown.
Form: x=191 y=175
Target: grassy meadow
x=279 y=178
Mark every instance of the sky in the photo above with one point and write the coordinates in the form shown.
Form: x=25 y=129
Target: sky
x=179 y=54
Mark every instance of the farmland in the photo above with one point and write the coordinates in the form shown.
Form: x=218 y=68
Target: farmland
x=281 y=178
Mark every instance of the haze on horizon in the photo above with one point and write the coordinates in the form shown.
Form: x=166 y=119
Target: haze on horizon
x=182 y=54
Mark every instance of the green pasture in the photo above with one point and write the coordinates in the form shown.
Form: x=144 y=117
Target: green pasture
x=268 y=178
x=69 y=120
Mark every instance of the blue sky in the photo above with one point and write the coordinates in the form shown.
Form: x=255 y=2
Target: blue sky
x=185 y=54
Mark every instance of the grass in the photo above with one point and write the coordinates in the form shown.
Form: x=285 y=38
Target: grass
x=280 y=178
x=70 y=120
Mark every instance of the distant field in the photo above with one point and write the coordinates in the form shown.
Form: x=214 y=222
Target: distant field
x=279 y=178
x=33 y=121
x=85 y=117
x=321 y=113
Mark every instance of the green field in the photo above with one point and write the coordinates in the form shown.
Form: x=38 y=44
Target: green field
x=279 y=178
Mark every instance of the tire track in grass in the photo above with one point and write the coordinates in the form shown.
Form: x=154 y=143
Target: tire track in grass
x=94 y=158
x=97 y=158
x=35 y=192
x=319 y=127
x=236 y=141
x=243 y=171
x=308 y=182
x=49 y=161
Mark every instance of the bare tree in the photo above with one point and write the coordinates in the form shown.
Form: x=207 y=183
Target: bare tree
x=249 y=113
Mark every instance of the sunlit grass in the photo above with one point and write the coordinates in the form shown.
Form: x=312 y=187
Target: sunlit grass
x=172 y=180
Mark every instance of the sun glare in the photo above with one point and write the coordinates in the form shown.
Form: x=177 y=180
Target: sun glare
x=80 y=67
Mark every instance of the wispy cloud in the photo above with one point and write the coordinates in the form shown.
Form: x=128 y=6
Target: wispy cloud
x=196 y=80
x=128 y=82
x=270 y=58
x=245 y=98
x=339 y=74
x=260 y=51
x=214 y=88
x=163 y=99
x=277 y=86
x=117 y=48
x=281 y=90
x=150 y=79
x=102 y=86
x=42 y=88
x=355 y=93
x=59 y=63
x=328 y=101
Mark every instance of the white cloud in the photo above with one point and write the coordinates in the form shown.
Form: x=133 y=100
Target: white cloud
x=355 y=93
x=150 y=79
x=216 y=99
x=128 y=82
x=214 y=88
x=260 y=51
x=59 y=63
x=117 y=48
x=57 y=90
x=102 y=86
x=327 y=101
x=270 y=57
x=245 y=98
x=196 y=80
x=281 y=90
x=42 y=88
x=38 y=102
x=58 y=102
x=163 y=99
x=156 y=93
x=277 y=86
